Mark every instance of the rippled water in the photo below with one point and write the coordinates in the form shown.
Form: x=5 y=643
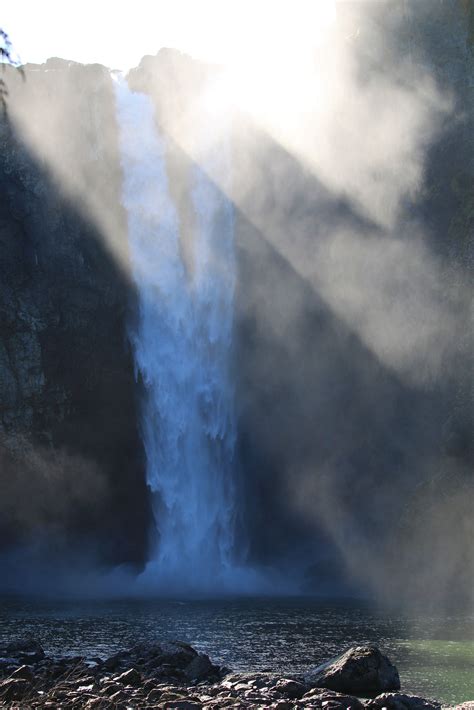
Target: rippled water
x=434 y=653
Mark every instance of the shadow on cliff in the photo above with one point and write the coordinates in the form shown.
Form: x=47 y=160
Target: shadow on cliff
x=71 y=460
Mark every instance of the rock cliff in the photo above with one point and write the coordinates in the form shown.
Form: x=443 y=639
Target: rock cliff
x=71 y=461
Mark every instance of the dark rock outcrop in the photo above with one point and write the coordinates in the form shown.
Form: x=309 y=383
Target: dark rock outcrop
x=401 y=701
x=68 y=397
x=291 y=689
x=169 y=659
x=362 y=670
x=323 y=698
x=130 y=677
x=14 y=689
x=23 y=651
x=172 y=674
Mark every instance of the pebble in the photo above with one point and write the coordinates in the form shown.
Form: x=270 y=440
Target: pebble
x=172 y=676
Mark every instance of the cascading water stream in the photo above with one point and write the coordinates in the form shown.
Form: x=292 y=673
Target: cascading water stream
x=182 y=347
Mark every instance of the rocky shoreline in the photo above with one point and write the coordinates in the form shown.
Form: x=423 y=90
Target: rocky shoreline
x=173 y=675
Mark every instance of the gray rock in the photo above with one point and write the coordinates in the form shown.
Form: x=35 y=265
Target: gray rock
x=24 y=672
x=224 y=702
x=361 y=670
x=199 y=668
x=25 y=650
x=154 y=695
x=401 y=701
x=290 y=688
x=119 y=696
x=14 y=689
x=112 y=688
x=99 y=703
x=323 y=698
x=130 y=677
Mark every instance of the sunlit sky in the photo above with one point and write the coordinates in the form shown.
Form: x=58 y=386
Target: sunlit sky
x=118 y=34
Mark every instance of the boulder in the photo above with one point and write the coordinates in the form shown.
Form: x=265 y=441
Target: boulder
x=14 y=689
x=330 y=700
x=119 y=696
x=111 y=688
x=361 y=670
x=177 y=653
x=173 y=653
x=167 y=660
x=130 y=677
x=200 y=668
x=154 y=695
x=290 y=688
x=27 y=650
x=24 y=672
x=401 y=701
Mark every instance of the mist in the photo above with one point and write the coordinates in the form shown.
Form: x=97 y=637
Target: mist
x=351 y=349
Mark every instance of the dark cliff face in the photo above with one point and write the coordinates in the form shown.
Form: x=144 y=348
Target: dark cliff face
x=72 y=473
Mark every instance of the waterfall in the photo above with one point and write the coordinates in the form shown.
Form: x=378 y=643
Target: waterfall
x=182 y=348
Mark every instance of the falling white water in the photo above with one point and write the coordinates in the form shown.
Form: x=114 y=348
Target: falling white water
x=182 y=346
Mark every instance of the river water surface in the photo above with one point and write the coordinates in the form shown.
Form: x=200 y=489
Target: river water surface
x=434 y=653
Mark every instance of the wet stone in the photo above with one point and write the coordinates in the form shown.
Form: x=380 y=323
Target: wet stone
x=361 y=670
x=199 y=668
x=130 y=677
x=154 y=695
x=290 y=688
x=330 y=699
x=28 y=650
x=24 y=672
x=119 y=696
x=401 y=701
x=112 y=688
x=173 y=675
x=14 y=689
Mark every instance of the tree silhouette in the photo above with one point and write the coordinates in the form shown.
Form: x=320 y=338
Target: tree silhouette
x=7 y=58
x=6 y=50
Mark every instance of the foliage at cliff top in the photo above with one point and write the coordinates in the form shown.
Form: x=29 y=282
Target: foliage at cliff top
x=7 y=53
